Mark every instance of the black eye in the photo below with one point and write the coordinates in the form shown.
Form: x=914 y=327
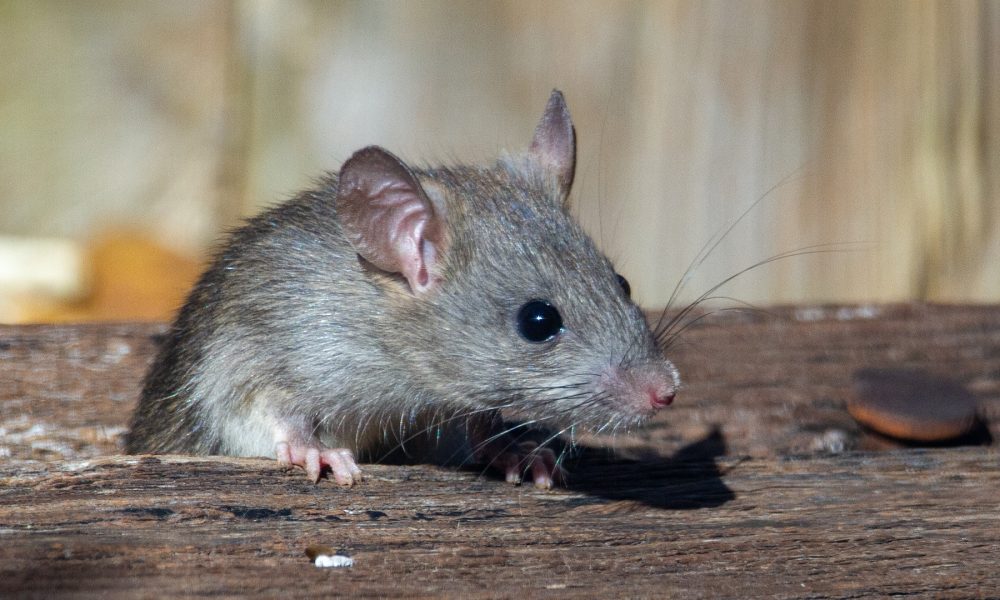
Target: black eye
x=539 y=321
x=625 y=286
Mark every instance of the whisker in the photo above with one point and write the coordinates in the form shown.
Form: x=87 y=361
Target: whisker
x=714 y=241
x=745 y=307
x=424 y=430
x=804 y=251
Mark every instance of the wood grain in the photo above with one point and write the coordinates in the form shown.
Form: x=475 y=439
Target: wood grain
x=915 y=522
x=752 y=485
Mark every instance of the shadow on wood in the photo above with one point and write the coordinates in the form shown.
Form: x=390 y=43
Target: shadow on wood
x=690 y=479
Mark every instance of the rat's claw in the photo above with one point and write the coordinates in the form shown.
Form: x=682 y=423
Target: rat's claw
x=544 y=470
x=345 y=470
x=313 y=465
x=313 y=458
x=513 y=473
x=512 y=458
x=528 y=456
x=543 y=473
x=283 y=453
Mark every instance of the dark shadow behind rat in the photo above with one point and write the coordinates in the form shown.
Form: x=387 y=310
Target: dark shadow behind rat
x=391 y=302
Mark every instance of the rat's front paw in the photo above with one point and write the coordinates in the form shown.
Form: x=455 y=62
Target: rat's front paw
x=516 y=460
x=313 y=457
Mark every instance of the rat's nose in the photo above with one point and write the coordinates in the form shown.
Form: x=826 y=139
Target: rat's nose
x=658 y=399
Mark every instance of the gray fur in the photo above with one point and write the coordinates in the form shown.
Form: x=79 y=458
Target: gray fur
x=290 y=325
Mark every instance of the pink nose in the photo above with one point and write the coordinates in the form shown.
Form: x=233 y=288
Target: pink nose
x=656 y=400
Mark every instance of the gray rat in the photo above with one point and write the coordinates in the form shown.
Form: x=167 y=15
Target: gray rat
x=389 y=301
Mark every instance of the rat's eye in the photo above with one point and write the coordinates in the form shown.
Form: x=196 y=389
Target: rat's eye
x=539 y=321
x=625 y=286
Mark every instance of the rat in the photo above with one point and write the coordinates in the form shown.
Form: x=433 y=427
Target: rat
x=389 y=301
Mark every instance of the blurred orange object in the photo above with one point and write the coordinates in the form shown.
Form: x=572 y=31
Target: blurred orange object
x=130 y=278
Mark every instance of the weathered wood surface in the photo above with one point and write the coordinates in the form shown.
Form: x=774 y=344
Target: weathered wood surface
x=736 y=493
x=915 y=523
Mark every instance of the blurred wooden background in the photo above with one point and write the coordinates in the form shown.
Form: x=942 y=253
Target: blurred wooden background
x=132 y=133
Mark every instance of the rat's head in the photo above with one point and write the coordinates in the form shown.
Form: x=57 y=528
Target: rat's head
x=500 y=299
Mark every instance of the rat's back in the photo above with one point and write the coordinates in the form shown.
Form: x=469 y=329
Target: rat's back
x=283 y=290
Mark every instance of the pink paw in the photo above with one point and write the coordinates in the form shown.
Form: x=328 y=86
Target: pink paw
x=518 y=459
x=314 y=457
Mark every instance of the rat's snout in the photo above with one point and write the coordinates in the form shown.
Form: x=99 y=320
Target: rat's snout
x=642 y=390
x=658 y=399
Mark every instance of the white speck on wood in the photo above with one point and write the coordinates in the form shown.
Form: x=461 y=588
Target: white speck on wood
x=335 y=561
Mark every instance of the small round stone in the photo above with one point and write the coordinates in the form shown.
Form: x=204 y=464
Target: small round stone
x=911 y=405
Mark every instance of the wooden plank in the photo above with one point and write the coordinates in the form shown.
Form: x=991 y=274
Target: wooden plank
x=916 y=522
x=67 y=391
x=737 y=492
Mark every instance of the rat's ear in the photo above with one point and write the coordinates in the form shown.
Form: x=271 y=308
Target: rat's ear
x=554 y=144
x=388 y=218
